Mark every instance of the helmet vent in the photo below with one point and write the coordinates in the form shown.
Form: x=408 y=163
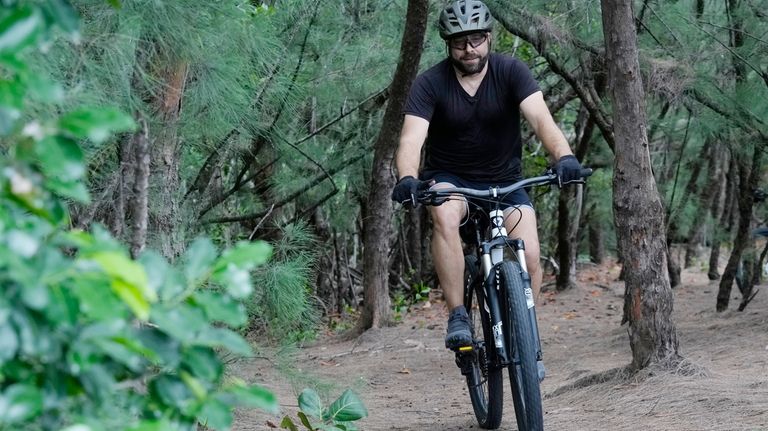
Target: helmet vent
x=464 y=16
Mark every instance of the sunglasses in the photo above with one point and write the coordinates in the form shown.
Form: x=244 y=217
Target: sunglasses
x=474 y=40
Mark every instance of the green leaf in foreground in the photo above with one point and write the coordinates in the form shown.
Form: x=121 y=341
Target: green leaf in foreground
x=245 y=254
x=221 y=308
x=198 y=259
x=182 y=322
x=18 y=403
x=310 y=403
x=236 y=280
x=348 y=407
x=288 y=424
x=61 y=158
x=153 y=425
x=254 y=397
x=129 y=281
x=63 y=15
x=216 y=415
x=95 y=123
x=203 y=363
x=222 y=337
x=304 y=420
x=19 y=29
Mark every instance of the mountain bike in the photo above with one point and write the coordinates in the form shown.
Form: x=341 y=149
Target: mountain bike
x=499 y=300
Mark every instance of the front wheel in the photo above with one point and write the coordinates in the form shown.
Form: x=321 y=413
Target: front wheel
x=521 y=342
x=484 y=381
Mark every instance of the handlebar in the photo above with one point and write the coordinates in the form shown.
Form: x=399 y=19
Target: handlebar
x=437 y=197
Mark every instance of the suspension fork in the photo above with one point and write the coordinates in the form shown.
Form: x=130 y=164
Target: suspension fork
x=519 y=246
x=494 y=308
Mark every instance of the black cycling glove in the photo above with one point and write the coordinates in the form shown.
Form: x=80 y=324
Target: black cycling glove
x=568 y=170
x=406 y=189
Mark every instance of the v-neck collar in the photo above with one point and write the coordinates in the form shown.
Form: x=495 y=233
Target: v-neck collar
x=479 y=87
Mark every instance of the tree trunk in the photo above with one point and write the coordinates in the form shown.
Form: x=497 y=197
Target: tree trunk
x=596 y=240
x=140 y=201
x=638 y=212
x=378 y=221
x=757 y=274
x=673 y=266
x=328 y=263
x=414 y=242
x=691 y=188
x=749 y=175
x=168 y=226
x=720 y=212
x=569 y=208
x=569 y=213
x=707 y=196
x=673 y=209
x=126 y=171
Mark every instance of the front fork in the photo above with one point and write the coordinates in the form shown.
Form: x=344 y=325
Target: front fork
x=492 y=301
x=519 y=247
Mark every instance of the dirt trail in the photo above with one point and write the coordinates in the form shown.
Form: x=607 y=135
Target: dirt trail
x=409 y=381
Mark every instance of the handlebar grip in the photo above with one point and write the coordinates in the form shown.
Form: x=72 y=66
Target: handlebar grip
x=586 y=172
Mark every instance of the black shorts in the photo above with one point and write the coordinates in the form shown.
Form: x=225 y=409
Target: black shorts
x=515 y=199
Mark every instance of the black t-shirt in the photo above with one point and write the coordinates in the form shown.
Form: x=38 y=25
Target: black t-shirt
x=477 y=138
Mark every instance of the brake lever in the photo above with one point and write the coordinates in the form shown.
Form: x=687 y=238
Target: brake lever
x=430 y=197
x=439 y=200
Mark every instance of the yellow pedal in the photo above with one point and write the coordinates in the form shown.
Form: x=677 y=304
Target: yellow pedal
x=465 y=349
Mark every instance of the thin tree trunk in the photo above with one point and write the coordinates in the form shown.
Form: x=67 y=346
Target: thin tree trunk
x=569 y=213
x=126 y=172
x=638 y=212
x=140 y=201
x=749 y=175
x=569 y=207
x=673 y=266
x=596 y=241
x=757 y=273
x=721 y=211
x=564 y=248
x=673 y=231
x=413 y=239
x=328 y=263
x=707 y=195
x=378 y=221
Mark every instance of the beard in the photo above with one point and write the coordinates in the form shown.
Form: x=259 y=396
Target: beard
x=469 y=68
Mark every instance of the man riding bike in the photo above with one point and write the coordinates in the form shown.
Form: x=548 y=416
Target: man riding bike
x=466 y=109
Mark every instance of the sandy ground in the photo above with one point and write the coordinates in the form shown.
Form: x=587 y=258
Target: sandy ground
x=408 y=381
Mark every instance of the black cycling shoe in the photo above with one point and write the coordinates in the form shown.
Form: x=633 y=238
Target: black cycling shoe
x=459 y=329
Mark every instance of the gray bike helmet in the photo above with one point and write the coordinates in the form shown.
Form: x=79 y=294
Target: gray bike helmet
x=464 y=16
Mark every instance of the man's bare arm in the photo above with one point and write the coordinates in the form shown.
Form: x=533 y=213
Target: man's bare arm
x=536 y=112
x=412 y=138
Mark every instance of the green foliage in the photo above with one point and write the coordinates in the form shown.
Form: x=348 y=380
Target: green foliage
x=282 y=301
x=339 y=415
x=89 y=338
x=403 y=301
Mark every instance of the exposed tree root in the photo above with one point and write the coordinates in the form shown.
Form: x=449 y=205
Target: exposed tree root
x=677 y=366
x=620 y=374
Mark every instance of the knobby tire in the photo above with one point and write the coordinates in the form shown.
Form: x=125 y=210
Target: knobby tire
x=485 y=383
x=523 y=372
